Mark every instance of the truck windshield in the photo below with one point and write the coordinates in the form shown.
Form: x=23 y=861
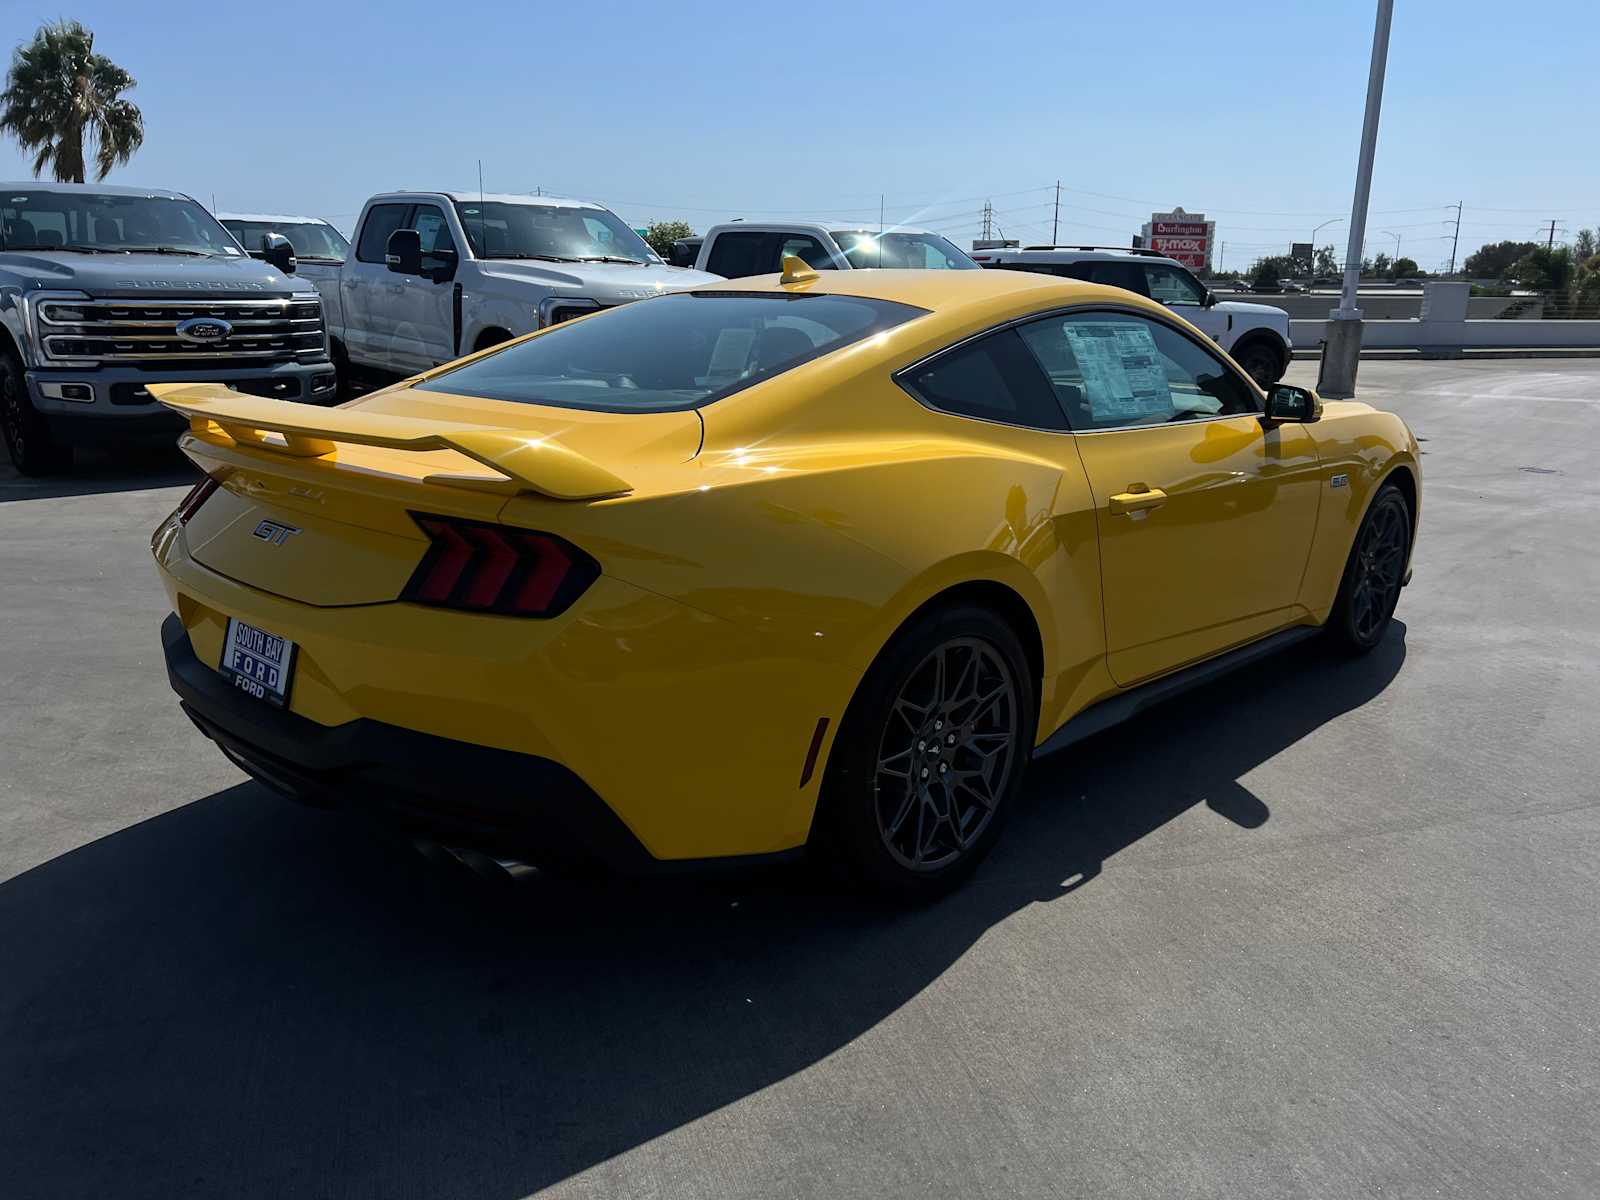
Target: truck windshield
x=109 y=224
x=500 y=230
x=913 y=251
x=673 y=352
x=310 y=239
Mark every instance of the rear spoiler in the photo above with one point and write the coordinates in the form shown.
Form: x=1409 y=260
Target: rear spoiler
x=525 y=461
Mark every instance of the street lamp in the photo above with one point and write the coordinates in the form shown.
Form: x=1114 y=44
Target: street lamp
x=1311 y=268
x=1341 y=347
x=1396 y=237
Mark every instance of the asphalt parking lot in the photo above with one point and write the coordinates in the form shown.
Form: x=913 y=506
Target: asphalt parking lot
x=1324 y=929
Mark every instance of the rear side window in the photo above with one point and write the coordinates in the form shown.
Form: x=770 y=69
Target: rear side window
x=736 y=255
x=1126 y=275
x=671 y=353
x=994 y=378
x=807 y=249
x=382 y=220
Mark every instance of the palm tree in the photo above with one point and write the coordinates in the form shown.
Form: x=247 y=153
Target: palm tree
x=61 y=95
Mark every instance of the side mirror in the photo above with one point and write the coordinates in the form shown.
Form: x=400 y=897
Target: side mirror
x=276 y=250
x=403 y=254
x=1286 y=402
x=1211 y=299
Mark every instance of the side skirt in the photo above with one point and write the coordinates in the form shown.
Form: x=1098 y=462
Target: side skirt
x=1116 y=709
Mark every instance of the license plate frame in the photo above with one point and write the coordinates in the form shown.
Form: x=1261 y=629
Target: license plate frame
x=258 y=663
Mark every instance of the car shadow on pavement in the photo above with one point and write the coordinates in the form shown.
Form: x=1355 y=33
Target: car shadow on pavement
x=244 y=998
x=100 y=472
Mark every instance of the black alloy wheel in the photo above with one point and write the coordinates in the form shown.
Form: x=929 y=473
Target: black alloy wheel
x=947 y=751
x=1374 y=573
x=930 y=755
x=27 y=441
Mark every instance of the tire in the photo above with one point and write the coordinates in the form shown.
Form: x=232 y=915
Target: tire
x=1371 y=585
x=951 y=699
x=1261 y=362
x=28 y=441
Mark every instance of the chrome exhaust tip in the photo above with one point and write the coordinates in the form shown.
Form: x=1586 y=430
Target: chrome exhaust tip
x=498 y=871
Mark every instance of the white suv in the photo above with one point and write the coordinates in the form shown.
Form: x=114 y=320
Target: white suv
x=1256 y=335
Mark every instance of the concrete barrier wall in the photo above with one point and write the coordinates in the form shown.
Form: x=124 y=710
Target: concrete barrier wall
x=1446 y=325
x=1382 y=306
x=1417 y=334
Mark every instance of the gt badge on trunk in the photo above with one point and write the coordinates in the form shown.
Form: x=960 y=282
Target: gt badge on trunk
x=259 y=663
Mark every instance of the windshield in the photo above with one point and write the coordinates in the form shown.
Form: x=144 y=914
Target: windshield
x=310 y=239
x=674 y=352
x=499 y=230
x=92 y=223
x=913 y=251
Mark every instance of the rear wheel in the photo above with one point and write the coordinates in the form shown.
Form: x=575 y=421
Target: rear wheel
x=32 y=450
x=931 y=754
x=1261 y=361
x=1370 y=588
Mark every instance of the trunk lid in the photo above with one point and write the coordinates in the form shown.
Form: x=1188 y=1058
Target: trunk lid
x=316 y=504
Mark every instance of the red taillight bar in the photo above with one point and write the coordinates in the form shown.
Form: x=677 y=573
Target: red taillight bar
x=478 y=566
x=198 y=495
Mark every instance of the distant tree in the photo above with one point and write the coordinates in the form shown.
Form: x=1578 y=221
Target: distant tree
x=1327 y=261
x=1381 y=263
x=1495 y=261
x=1404 y=268
x=1270 y=270
x=661 y=235
x=1545 y=269
x=1585 y=246
x=62 y=98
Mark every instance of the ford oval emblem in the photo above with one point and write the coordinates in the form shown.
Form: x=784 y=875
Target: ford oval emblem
x=203 y=329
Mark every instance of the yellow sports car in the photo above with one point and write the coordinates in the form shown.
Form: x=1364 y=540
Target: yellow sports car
x=802 y=561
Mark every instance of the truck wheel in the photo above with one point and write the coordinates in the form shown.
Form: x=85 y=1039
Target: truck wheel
x=27 y=440
x=1261 y=362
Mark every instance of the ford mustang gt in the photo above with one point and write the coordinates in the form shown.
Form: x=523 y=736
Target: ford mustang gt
x=800 y=562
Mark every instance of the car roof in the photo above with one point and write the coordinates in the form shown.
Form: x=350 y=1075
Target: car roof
x=281 y=218
x=92 y=189
x=828 y=227
x=997 y=295
x=1051 y=254
x=489 y=198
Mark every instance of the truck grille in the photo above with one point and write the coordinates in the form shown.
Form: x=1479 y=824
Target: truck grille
x=145 y=332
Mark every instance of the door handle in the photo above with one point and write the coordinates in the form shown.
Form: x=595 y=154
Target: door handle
x=1137 y=499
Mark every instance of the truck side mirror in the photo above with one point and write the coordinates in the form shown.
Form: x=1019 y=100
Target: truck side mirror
x=276 y=250
x=403 y=254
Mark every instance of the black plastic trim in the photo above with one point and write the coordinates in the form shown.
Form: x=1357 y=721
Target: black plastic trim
x=1116 y=709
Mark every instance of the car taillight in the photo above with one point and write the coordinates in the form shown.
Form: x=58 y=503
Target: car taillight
x=482 y=567
x=198 y=495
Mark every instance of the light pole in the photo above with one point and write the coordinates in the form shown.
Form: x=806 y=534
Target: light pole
x=1311 y=271
x=1396 y=237
x=1341 y=351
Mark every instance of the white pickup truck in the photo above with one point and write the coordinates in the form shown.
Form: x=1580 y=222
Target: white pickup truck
x=435 y=275
x=741 y=248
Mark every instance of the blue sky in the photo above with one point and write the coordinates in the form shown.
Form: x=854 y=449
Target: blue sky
x=1249 y=112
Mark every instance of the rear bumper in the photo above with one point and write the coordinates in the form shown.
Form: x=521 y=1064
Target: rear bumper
x=497 y=801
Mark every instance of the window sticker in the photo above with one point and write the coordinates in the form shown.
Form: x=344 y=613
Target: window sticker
x=1123 y=378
